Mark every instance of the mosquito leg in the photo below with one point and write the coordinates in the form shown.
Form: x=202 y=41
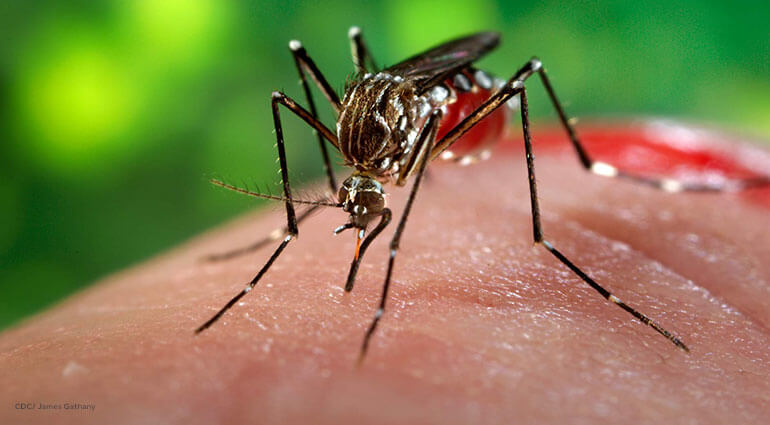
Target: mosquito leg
x=384 y=221
x=289 y=103
x=516 y=84
x=513 y=87
x=300 y=57
x=248 y=287
x=291 y=217
x=427 y=137
x=538 y=235
x=510 y=89
x=362 y=57
x=280 y=98
x=608 y=170
x=419 y=152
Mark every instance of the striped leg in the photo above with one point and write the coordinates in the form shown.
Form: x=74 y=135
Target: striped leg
x=424 y=144
x=291 y=217
x=362 y=57
x=323 y=133
x=596 y=167
x=515 y=86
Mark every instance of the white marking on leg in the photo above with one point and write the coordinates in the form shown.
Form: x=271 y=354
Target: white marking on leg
x=295 y=45
x=604 y=169
x=670 y=185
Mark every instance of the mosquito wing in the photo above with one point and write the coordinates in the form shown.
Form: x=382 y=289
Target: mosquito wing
x=436 y=64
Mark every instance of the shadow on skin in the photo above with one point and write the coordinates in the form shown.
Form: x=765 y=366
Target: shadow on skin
x=481 y=327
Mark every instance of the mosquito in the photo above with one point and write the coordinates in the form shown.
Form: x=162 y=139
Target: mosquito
x=392 y=122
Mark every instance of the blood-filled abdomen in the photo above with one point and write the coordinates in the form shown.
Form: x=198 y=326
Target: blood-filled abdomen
x=476 y=143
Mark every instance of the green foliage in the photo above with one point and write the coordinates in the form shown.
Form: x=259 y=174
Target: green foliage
x=117 y=112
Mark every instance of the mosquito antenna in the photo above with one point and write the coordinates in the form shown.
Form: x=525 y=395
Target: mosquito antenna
x=273 y=197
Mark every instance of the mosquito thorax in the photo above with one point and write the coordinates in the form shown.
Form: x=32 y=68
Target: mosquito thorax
x=379 y=122
x=363 y=197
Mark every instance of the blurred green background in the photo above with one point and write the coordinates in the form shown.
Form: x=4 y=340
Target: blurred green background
x=116 y=112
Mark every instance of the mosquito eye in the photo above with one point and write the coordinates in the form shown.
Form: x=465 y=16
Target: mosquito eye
x=373 y=201
x=343 y=194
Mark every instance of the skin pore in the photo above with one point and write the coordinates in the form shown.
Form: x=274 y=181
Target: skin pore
x=481 y=325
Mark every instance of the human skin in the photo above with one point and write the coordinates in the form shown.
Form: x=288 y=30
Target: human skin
x=482 y=326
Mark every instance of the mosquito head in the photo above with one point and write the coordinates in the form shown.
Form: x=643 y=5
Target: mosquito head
x=363 y=197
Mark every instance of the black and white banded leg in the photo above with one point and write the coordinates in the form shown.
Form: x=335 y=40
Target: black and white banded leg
x=362 y=57
x=291 y=217
x=303 y=63
x=423 y=145
x=513 y=87
x=595 y=167
x=609 y=170
x=538 y=234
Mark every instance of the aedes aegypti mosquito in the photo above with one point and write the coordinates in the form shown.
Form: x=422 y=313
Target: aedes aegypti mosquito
x=392 y=122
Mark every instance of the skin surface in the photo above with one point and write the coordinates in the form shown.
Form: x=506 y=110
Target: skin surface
x=481 y=326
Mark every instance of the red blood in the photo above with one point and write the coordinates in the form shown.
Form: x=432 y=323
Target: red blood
x=661 y=148
x=483 y=134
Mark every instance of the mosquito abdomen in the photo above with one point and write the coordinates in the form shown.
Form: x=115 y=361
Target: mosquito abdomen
x=468 y=90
